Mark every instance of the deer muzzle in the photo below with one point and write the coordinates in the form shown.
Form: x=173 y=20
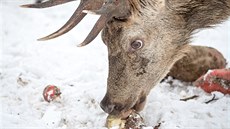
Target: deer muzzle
x=122 y=108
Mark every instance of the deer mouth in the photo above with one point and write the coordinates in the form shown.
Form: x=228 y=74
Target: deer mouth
x=137 y=108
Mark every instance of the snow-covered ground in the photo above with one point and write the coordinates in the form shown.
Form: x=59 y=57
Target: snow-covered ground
x=81 y=75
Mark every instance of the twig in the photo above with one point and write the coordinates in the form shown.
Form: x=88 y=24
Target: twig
x=213 y=99
x=192 y=97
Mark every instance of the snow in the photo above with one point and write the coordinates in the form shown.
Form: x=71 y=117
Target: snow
x=52 y=117
x=28 y=66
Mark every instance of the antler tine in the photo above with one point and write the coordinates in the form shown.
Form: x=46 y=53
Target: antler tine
x=46 y=4
x=112 y=8
x=95 y=31
x=75 y=18
x=70 y=24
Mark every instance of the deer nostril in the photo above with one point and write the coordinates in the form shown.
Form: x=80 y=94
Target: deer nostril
x=107 y=108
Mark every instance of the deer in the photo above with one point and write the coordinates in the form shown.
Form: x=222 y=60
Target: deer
x=146 y=41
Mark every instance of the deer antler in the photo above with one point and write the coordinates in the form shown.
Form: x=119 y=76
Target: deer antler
x=111 y=8
x=75 y=18
x=46 y=4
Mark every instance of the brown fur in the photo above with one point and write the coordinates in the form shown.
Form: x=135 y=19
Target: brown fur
x=165 y=27
x=197 y=62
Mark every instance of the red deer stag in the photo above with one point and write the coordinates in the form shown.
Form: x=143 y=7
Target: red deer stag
x=145 y=38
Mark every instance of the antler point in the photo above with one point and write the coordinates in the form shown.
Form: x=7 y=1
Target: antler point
x=24 y=6
x=42 y=39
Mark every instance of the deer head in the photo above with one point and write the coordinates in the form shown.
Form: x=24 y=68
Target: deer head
x=144 y=39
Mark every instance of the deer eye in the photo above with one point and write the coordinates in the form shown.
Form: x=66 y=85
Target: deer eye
x=136 y=44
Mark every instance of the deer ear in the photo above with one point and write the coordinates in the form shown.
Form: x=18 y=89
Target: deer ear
x=200 y=13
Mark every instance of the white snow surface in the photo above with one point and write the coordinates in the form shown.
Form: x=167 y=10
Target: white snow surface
x=28 y=66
